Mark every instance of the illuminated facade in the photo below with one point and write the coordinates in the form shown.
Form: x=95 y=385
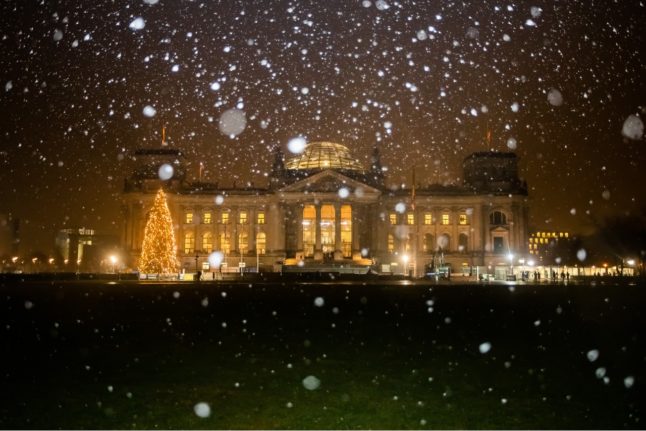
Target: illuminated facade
x=323 y=207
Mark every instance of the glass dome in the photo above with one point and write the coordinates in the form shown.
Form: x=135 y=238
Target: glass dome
x=324 y=155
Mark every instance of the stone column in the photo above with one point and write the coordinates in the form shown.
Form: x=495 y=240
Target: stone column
x=484 y=231
x=356 y=241
x=317 y=228
x=337 y=226
x=299 y=226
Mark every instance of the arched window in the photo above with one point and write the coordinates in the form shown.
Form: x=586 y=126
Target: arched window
x=429 y=243
x=225 y=244
x=189 y=242
x=243 y=242
x=207 y=242
x=463 y=243
x=497 y=218
x=261 y=243
x=328 y=232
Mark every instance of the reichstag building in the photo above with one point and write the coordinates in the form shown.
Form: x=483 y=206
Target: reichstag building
x=322 y=210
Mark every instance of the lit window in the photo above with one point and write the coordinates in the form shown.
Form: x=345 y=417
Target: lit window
x=393 y=218
x=225 y=244
x=206 y=218
x=428 y=219
x=391 y=243
x=445 y=219
x=261 y=218
x=243 y=217
x=189 y=243
x=188 y=218
x=463 y=219
x=225 y=218
x=243 y=242
x=207 y=242
x=261 y=242
x=410 y=218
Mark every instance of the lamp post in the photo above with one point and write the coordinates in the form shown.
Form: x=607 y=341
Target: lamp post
x=257 y=257
x=522 y=268
x=405 y=261
x=113 y=260
x=510 y=256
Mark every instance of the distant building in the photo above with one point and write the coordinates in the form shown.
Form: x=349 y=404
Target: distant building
x=323 y=207
x=84 y=250
x=9 y=235
x=546 y=246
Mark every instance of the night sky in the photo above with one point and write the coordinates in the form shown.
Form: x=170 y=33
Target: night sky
x=83 y=84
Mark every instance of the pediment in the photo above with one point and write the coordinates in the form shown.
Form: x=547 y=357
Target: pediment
x=500 y=229
x=329 y=182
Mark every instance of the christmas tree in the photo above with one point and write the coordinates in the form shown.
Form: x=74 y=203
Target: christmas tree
x=159 y=251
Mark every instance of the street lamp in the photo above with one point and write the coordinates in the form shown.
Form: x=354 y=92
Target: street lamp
x=405 y=261
x=510 y=256
x=113 y=260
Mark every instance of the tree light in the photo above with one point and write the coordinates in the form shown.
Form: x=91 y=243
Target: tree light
x=159 y=251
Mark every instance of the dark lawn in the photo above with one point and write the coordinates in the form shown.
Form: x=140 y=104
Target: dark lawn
x=98 y=355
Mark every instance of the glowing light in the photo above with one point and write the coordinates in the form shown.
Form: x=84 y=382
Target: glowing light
x=297 y=145
x=165 y=172
x=232 y=122
x=149 y=111
x=216 y=258
x=137 y=24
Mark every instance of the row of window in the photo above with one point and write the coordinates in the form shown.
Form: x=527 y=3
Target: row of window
x=551 y=235
x=207 y=218
x=225 y=243
x=431 y=244
x=445 y=219
x=539 y=241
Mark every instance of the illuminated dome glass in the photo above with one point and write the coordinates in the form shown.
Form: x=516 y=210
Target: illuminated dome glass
x=324 y=155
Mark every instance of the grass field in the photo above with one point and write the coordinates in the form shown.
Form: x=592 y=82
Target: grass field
x=397 y=356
